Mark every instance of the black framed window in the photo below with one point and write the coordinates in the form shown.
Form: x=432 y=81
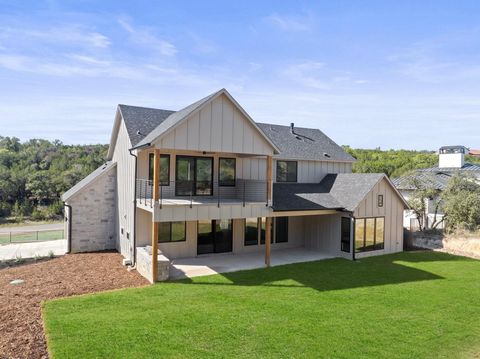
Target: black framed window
x=194 y=176
x=281 y=229
x=286 y=171
x=171 y=232
x=226 y=171
x=369 y=234
x=345 y=235
x=215 y=236
x=164 y=168
x=380 y=200
x=251 y=231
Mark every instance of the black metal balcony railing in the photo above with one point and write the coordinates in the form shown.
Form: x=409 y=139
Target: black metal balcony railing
x=243 y=190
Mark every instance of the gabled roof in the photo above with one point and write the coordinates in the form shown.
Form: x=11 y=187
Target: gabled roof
x=304 y=143
x=140 y=121
x=178 y=117
x=342 y=191
x=100 y=171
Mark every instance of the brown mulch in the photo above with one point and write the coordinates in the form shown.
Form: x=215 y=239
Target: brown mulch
x=21 y=325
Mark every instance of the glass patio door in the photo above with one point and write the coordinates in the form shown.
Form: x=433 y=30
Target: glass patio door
x=215 y=236
x=194 y=176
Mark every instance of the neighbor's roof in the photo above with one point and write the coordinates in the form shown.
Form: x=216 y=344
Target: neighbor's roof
x=435 y=177
x=304 y=143
x=342 y=191
x=474 y=152
x=100 y=171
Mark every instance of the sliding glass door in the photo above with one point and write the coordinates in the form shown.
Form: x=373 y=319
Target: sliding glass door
x=194 y=176
x=215 y=236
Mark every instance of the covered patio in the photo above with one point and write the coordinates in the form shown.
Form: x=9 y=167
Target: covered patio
x=223 y=263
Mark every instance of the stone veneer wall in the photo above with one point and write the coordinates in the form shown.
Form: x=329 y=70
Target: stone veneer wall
x=94 y=208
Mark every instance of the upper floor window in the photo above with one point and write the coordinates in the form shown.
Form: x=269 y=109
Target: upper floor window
x=226 y=171
x=380 y=200
x=286 y=171
x=164 y=168
x=194 y=176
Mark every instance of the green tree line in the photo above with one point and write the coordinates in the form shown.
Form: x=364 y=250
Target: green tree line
x=395 y=163
x=34 y=174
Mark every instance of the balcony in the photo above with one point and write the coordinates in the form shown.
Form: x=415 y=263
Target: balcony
x=192 y=193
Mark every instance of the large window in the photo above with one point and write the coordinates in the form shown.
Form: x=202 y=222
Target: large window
x=369 y=234
x=194 y=176
x=255 y=231
x=251 y=231
x=164 y=168
x=226 y=171
x=281 y=229
x=171 y=232
x=345 y=233
x=215 y=236
x=286 y=171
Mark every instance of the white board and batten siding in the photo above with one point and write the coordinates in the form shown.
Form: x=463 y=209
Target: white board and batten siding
x=217 y=127
x=314 y=171
x=125 y=192
x=392 y=210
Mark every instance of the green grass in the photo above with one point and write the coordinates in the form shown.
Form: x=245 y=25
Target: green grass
x=32 y=236
x=408 y=305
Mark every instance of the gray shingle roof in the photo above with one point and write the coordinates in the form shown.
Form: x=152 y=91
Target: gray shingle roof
x=433 y=176
x=100 y=171
x=342 y=191
x=174 y=118
x=143 y=120
x=304 y=143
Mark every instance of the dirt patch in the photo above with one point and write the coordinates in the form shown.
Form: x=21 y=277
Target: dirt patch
x=21 y=325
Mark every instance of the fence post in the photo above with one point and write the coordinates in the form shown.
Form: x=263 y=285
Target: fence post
x=10 y=237
x=37 y=235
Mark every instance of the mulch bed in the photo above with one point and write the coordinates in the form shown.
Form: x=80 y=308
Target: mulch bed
x=21 y=325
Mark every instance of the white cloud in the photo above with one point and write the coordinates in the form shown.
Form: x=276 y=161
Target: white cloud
x=290 y=22
x=308 y=74
x=145 y=36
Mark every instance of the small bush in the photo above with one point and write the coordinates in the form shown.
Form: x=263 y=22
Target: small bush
x=38 y=215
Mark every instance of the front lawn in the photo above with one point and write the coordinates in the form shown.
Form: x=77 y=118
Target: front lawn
x=408 y=305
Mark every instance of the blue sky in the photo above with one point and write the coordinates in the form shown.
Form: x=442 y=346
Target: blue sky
x=394 y=74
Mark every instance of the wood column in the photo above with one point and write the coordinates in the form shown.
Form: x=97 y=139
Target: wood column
x=269 y=179
x=268 y=239
x=156 y=196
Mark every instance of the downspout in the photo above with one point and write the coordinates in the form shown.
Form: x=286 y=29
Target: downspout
x=134 y=259
x=69 y=220
x=352 y=218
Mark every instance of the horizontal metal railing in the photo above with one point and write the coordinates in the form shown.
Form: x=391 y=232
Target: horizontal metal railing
x=26 y=236
x=244 y=190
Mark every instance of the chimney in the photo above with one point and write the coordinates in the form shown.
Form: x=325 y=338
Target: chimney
x=292 y=125
x=451 y=156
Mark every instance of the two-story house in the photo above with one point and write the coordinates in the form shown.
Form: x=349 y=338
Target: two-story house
x=208 y=180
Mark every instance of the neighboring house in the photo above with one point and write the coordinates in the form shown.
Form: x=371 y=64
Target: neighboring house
x=451 y=160
x=208 y=179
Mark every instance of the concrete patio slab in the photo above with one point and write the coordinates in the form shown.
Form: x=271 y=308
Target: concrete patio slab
x=223 y=263
x=30 y=250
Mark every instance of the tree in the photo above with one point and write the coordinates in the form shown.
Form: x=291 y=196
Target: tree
x=462 y=202
x=424 y=193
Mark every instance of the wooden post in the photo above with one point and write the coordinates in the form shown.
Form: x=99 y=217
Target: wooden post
x=269 y=179
x=156 y=196
x=268 y=239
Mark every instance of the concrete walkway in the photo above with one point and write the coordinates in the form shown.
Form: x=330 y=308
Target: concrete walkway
x=223 y=263
x=30 y=250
